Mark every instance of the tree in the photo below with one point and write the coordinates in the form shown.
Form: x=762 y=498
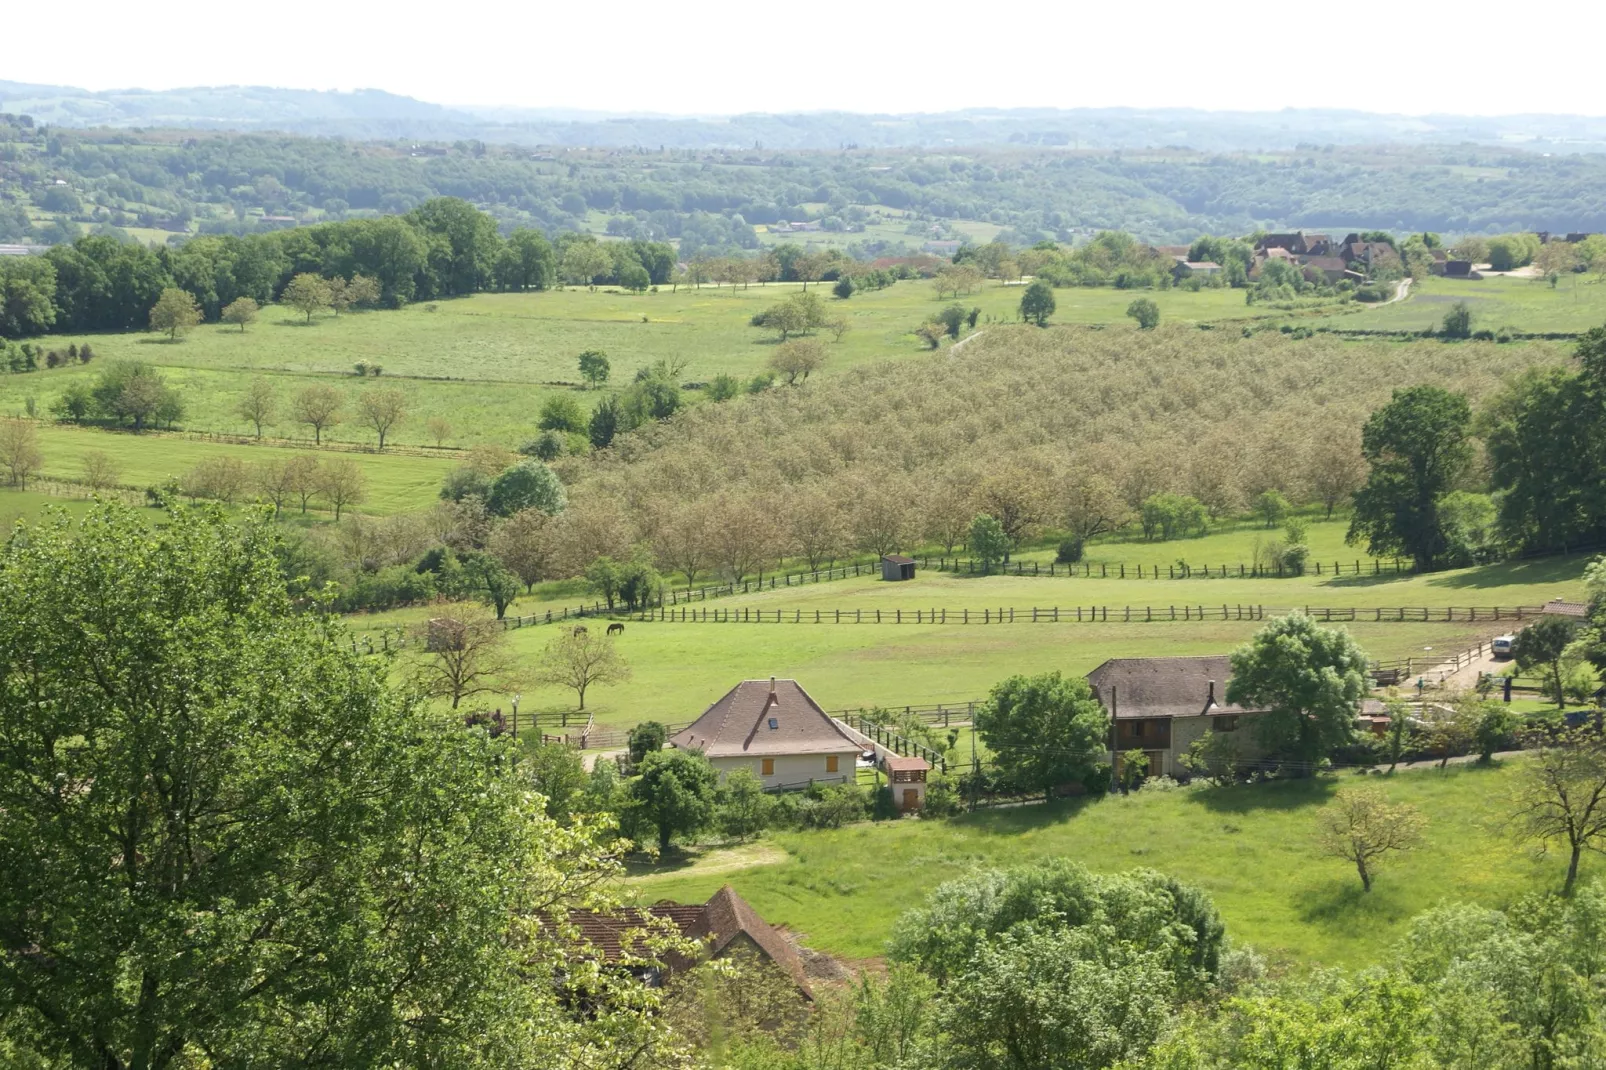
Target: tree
x=1458 y=321
x=1555 y=259
x=583 y=261
x=1561 y=794
x=1146 y=312
x=1309 y=680
x=683 y=541
x=988 y=542
x=604 y=423
x=484 y=577
x=175 y=311
x=881 y=517
x=594 y=367
x=1416 y=447
x=1334 y=468
x=561 y=412
x=302 y=477
x=1017 y=499
x=744 y=808
x=461 y=657
x=646 y=738
x=306 y=293
x=1362 y=827
x=674 y=794
x=931 y=333
x=241 y=311
x=526 y=485
x=1540 y=646
x=133 y=391
x=313 y=787
x=797 y=358
x=319 y=407
x=101 y=472
x=258 y=403
x=19 y=450
x=1037 y=303
x=341 y=483
x=439 y=429
x=579 y=661
x=382 y=410
x=1272 y=507
x=1093 y=505
x=1046 y=731
x=742 y=536
x=558 y=772
x=523 y=543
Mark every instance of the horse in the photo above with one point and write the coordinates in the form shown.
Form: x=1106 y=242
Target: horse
x=579 y=629
x=616 y=628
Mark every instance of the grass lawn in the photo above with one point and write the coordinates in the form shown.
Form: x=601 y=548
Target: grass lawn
x=395 y=483
x=1576 y=304
x=1252 y=848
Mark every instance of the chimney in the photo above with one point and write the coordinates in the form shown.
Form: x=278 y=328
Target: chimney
x=1211 y=700
x=773 y=700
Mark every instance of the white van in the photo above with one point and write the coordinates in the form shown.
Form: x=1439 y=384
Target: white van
x=1501 y=647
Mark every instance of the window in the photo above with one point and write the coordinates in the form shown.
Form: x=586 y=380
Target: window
x=1137 y=729
x=767 y=767
x=774 y=723
x=1227 y=722
x=830 y=763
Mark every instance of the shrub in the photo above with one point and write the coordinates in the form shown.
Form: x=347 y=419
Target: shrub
x=1070 y=551
x=832 y=806
x=723 y=387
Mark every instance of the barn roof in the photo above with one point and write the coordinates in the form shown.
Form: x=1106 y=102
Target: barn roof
x=764 y=717
x=1561 y=607
x=1164 y=687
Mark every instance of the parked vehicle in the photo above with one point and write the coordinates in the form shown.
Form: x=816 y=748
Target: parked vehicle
x=1501 y=647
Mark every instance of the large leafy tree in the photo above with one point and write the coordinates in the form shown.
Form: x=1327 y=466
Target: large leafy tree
x=674 y=795
x=1416 y=446
x=226 y=841
x=1046 y=730
x=1309 y=681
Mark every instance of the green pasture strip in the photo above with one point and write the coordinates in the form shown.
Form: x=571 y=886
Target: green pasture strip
x=1253 y=849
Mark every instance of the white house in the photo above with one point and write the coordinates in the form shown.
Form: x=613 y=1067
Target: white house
x=775 y=729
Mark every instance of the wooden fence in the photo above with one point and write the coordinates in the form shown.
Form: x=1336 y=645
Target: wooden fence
x=1077 y=614
x=894 y=742
x=1108 y=570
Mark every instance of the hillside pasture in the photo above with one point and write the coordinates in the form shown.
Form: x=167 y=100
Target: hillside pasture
x=1576 y=303
x=1253 y=849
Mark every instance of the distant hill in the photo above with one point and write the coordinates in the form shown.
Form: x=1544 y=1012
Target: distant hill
x=221 y=107
x=372 y=113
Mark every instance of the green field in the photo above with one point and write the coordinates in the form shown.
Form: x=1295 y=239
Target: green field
x=1577 y=303
x=1251 y=848
x=680 y=668
x=484 y=363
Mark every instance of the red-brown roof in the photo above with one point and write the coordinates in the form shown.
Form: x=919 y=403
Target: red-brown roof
x=764 y=717
x=1560 y=607
x=724 y=920
x=897 y=763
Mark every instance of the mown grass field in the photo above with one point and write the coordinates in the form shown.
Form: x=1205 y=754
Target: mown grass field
x=1252 y=848
x=1577 y=303
x=680 y=668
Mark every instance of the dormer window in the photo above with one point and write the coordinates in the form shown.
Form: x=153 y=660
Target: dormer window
x=774 y=723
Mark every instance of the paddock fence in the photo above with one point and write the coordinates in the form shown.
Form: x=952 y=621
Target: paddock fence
x=1081 y=614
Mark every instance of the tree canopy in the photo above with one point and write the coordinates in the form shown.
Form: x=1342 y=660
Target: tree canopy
x=1310 y=681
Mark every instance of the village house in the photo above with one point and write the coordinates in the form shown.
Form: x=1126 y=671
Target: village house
x=774 y=728
x=1185 y=268
x=724 y=925
x=1161 y=706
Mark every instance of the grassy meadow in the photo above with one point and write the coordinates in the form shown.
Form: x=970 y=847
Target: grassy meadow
x=679 y=668
x=1577 y=303
x=1253 y=849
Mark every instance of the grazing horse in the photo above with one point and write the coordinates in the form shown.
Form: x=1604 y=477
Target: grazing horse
x=579 y=629
x=616 y=628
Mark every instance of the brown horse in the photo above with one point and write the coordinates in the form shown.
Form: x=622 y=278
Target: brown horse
x=579 y=629
x=616 y=628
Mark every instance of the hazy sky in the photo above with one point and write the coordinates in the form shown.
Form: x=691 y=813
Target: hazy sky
x=1413 y=56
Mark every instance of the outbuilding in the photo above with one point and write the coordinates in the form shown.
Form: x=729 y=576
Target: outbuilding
x=894 y=567
x=907 y=777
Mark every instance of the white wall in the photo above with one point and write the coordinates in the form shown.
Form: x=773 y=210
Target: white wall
x=793 y=770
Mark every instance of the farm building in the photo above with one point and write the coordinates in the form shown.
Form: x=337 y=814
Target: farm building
x=1188 y=268
x=1162 y=705
x=894 y=567
x=907 y=777
x=775 y=729
x=723 y=925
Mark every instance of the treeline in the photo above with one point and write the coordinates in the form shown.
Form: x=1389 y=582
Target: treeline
x=712 y=199
x=445 y=247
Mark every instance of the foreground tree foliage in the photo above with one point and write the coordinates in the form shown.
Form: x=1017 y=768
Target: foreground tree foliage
x=226 y=841
x=1046 y=731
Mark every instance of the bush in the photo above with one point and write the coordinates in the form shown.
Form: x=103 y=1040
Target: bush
x=832 y=806
x=942 y=798
x=885 y=805
x=723 y=387
x=1069 y=552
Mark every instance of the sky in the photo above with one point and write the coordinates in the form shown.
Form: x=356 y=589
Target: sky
x=717 y=57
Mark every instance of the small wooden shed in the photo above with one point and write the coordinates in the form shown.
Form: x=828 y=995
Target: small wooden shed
x=908 y=780
x=894 y=567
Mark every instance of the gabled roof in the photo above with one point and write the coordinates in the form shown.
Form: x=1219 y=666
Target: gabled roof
x=897 y=763
x=1164 y=687
x=717 y=924
x=1560 y=607
x=897 y=559
x=740 y=724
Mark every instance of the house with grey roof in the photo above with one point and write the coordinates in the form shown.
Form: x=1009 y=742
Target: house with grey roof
x=774 y=728
x=1161 y=706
